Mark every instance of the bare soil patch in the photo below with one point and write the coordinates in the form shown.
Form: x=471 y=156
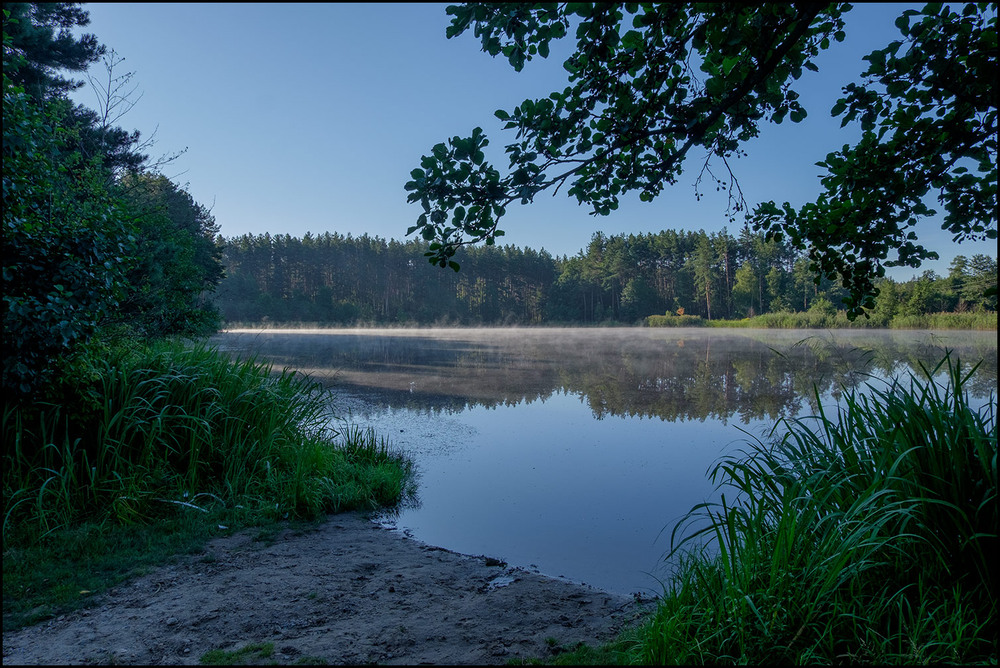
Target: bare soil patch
x=348 y=592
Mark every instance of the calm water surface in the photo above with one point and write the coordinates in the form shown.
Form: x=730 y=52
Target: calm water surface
x=574 y=451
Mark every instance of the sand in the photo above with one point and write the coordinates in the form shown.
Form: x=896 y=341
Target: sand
x=346 y=592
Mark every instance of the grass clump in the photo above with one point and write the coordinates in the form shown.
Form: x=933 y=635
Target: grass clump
x=819 y=317
x=671 y=320
x=984 y=321
x=162 y=447
x=865 y=537
x=254 y=653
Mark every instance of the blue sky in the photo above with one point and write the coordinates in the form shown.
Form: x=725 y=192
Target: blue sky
x=309 y=117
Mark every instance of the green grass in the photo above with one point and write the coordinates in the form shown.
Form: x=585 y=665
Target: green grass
x=986 y=321
x=818 y=319
x=254 y=653
x=165 y=447
x=670 y=320
x=869 y=536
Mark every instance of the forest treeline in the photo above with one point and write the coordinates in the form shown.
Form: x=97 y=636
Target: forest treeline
x=346 y=280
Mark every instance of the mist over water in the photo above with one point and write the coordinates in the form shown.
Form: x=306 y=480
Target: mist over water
x=574 y=451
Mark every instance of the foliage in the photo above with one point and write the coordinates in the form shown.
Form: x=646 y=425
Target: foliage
x=980 y=321
x=650 y=82
x=77 y=239
x=42 y=34
x=671 y=320
x=928 y=113
x=179 y=260
x=182 y=443
x=634 y=109
x=66 y=244
x=178 y=427
x=868 y=536
x=99 y=433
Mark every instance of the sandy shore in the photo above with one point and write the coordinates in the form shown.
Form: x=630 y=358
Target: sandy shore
x=348 y=592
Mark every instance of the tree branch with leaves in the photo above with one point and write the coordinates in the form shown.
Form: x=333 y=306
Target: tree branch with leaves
x=650 y=82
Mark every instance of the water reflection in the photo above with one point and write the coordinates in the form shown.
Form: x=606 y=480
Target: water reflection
x=670 y=374
x=571 y=451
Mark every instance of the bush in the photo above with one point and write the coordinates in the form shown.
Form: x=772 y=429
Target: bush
x=65 y=244
x=670 y=320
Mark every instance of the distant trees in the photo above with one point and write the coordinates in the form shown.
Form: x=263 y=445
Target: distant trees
x=976 y=278
x=345 y=280
x=341 y=279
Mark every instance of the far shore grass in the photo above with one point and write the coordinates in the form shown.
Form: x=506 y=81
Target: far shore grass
x=813 y=319
x=818 y=319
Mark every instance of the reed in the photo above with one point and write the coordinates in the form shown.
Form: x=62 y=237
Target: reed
x=984 y=321
x=179 y=427
x=670 y=320
x=866 y=536
x=818 y=319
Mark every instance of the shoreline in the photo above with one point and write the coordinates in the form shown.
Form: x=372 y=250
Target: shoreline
x=347 y=591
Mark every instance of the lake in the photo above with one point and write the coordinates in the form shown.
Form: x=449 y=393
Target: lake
x=573 y=452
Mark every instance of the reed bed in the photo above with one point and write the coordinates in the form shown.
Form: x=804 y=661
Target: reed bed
x=819 y=319
x=172 y=428
x=670 y=320
x=867 y=536
x=983 y=321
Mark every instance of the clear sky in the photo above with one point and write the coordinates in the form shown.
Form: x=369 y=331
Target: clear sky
x=309 y=118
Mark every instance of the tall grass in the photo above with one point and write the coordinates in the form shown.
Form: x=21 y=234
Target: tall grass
x=174 y=427
x=866 y=536
x=671 y=320
x=985 y=321
x=818 y=319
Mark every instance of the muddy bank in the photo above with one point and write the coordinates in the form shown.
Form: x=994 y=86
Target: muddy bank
x=347 y=592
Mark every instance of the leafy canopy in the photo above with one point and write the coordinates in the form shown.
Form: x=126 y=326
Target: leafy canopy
x=93 y=246
x=651 y=82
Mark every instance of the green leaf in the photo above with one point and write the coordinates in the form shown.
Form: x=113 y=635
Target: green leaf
x=632 y=40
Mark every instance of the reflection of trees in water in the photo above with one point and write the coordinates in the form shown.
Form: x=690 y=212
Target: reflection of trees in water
x=751 y=376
